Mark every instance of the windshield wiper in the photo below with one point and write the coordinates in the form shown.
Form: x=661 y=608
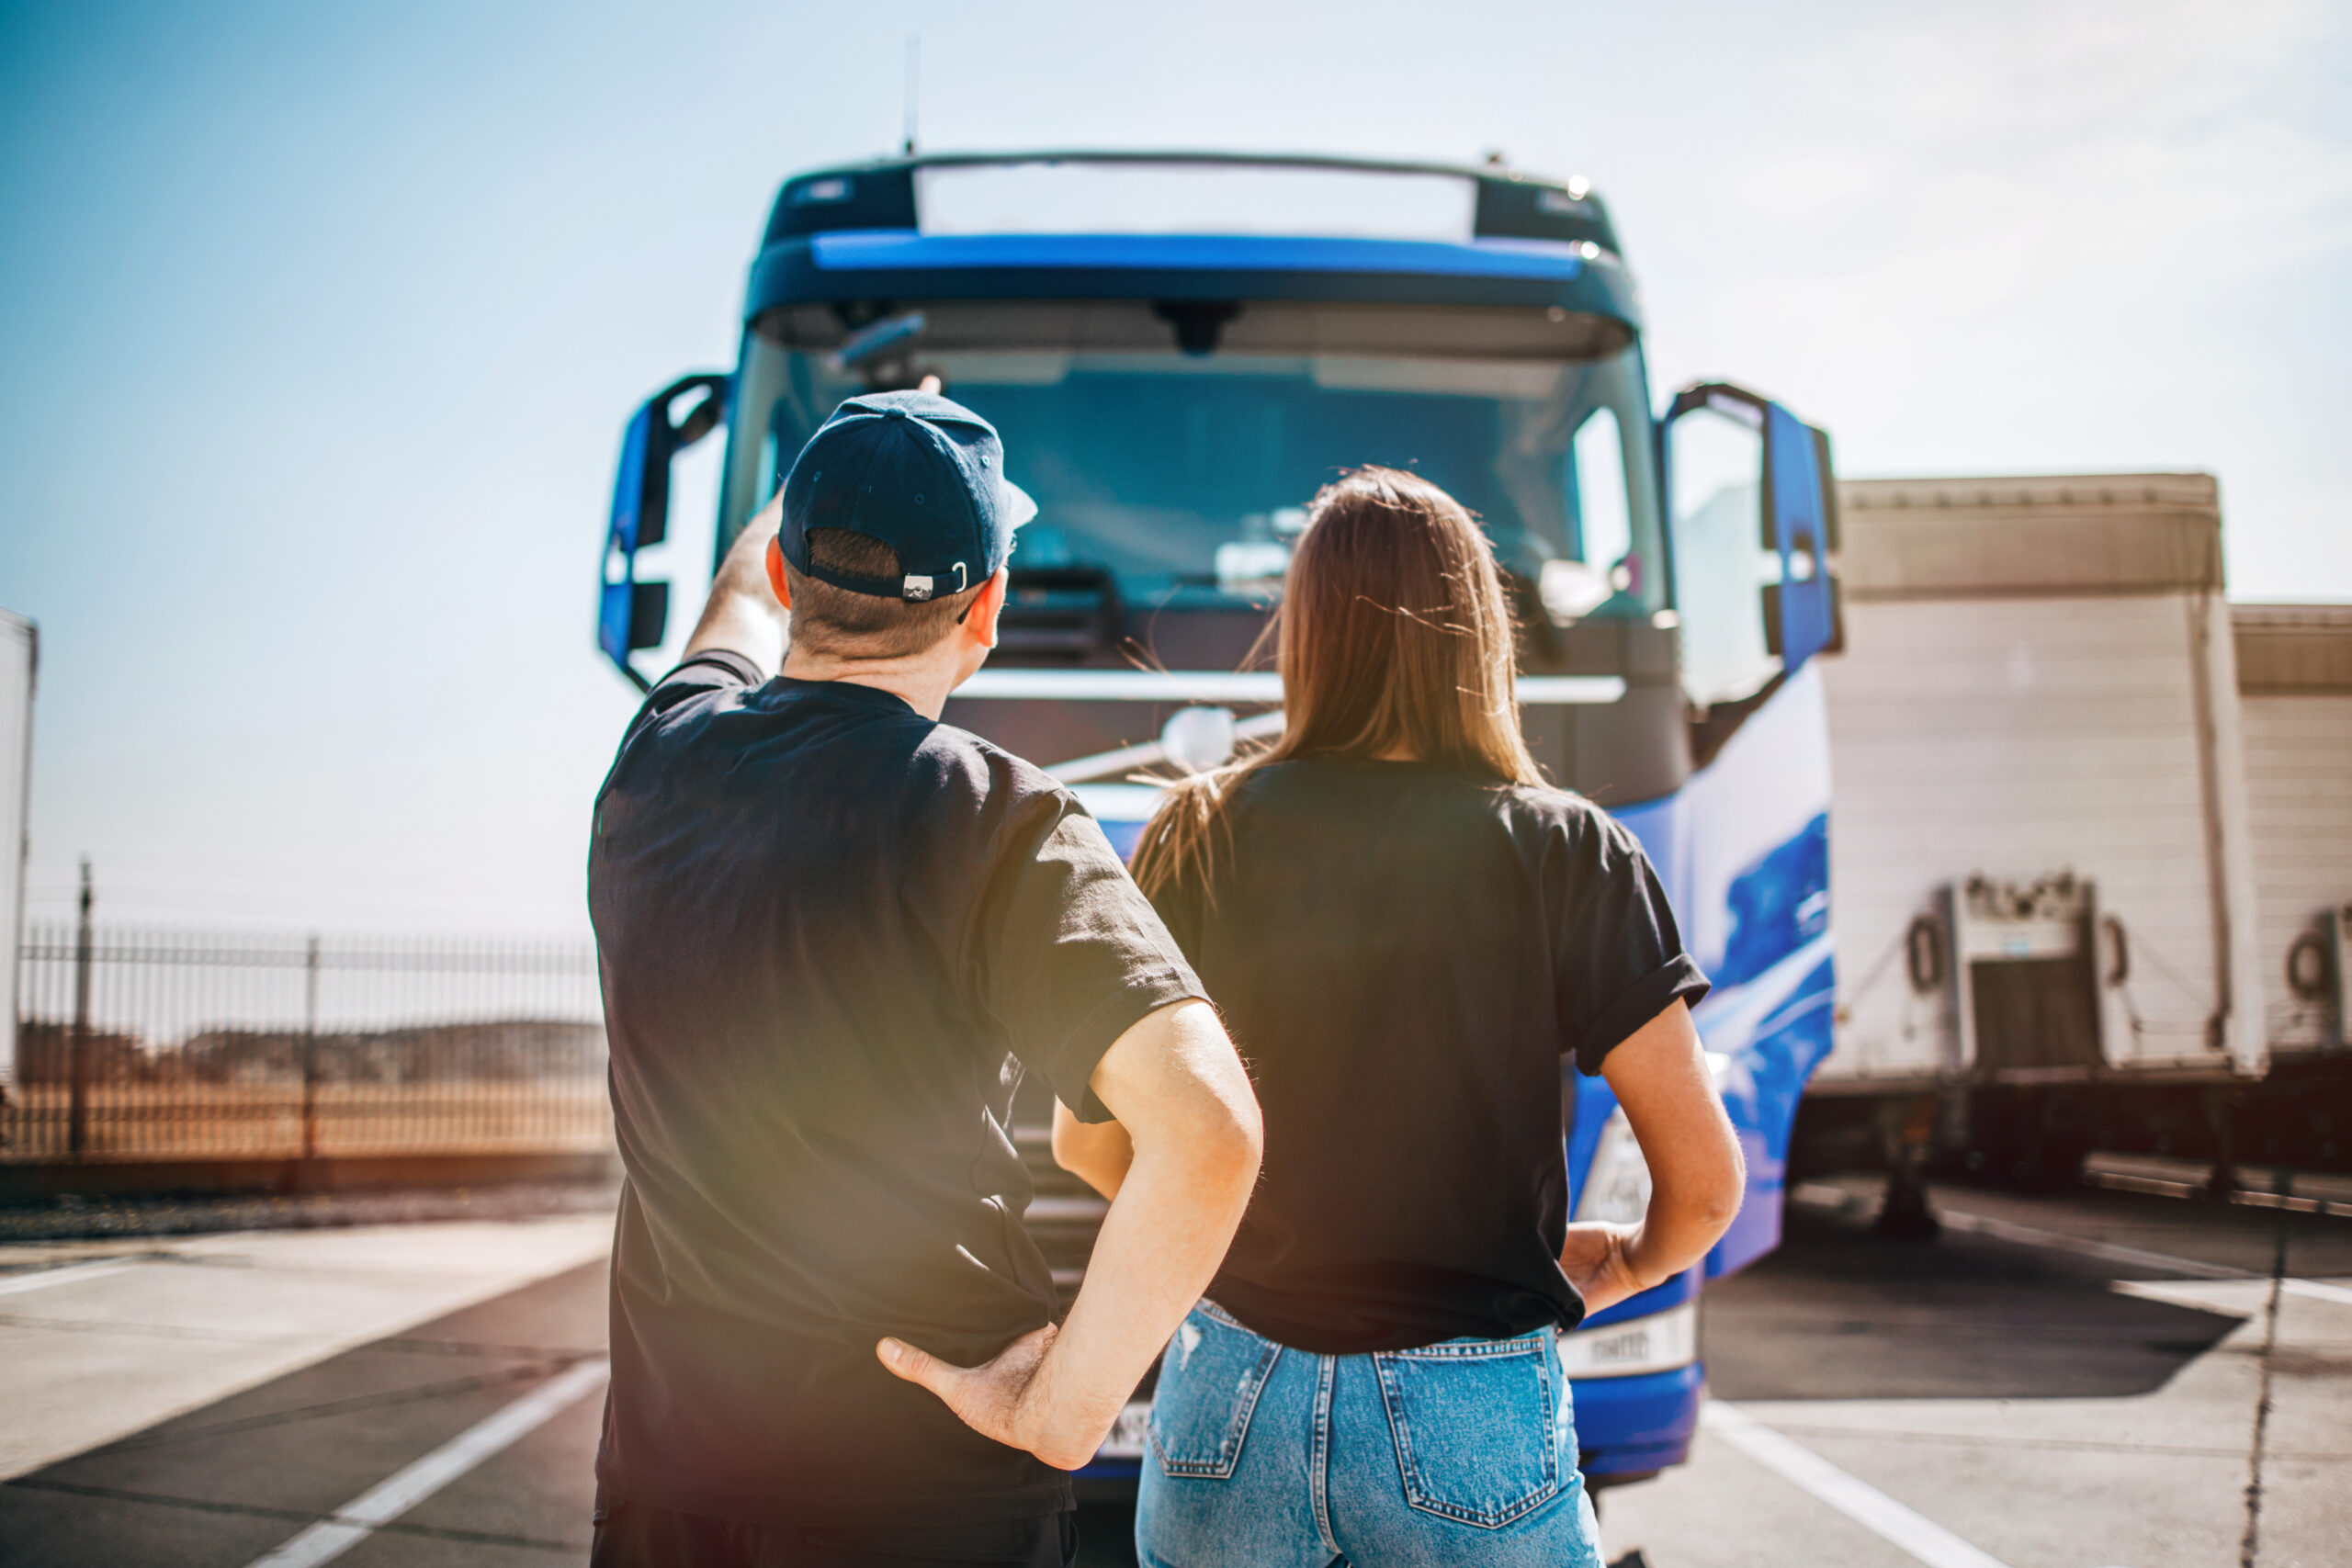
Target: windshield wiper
x=871 y=340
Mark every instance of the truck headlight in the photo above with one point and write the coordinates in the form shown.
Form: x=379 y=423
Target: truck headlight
x=1617 y=1184
x=1658 y=1343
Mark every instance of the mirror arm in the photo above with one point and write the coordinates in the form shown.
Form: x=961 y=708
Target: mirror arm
x=632 y=615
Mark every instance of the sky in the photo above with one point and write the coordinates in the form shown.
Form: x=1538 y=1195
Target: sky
x=321 y=322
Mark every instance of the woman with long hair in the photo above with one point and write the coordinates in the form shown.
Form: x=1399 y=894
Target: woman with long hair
x=1410 y=935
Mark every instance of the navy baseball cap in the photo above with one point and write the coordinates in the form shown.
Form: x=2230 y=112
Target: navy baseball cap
x=917 y=473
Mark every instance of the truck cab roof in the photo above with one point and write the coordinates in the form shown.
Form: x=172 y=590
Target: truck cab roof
x=1509 y=204
x=1179 y=226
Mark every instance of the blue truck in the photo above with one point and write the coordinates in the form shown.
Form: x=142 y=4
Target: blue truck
x=1179 y=349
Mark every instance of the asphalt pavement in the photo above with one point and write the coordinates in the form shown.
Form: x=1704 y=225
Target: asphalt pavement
x=2102 y=1379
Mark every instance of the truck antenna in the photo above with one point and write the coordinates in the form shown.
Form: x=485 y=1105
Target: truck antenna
x=914 y=87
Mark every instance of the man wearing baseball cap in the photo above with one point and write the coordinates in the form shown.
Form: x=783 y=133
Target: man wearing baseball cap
x=833 y=932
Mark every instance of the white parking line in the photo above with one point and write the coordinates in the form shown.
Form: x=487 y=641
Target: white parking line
x=1819 y=1195
x=2317 y=1292
x=1865 y=1505
x=71 y=1272
x=2132 y=1256
x=395 y=1495
x=2106 y=1251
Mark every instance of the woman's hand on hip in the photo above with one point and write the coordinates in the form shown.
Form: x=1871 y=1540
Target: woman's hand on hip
x=1598 y=1262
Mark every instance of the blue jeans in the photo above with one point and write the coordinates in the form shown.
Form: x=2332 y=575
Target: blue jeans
x=1457 y=1453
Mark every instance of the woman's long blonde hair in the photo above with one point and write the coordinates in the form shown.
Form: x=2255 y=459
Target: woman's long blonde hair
x=1395 y=639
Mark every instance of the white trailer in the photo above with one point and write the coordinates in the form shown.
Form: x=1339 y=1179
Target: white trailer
x=2046 y=869
x=2295 y=692
x=19 y=660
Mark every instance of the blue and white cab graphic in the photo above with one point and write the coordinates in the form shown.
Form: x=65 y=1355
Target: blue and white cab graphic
x=1744 y=850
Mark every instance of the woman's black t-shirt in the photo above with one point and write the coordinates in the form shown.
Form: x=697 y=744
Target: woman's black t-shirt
x=1404 y=956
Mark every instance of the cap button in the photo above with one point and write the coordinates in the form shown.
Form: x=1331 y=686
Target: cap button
x=894 y=412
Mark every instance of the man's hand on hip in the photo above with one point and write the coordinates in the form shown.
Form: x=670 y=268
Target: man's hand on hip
x=1176 y=1085
x=997 y=1399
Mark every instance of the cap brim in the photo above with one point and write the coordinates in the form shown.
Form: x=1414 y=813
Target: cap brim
x=1018 y=507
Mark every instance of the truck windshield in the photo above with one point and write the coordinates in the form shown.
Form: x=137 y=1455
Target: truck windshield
x=1186 y=476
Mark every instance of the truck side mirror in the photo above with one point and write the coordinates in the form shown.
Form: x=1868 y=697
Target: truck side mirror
x=1833 y=539
x=1801 y=615
x=632 y=615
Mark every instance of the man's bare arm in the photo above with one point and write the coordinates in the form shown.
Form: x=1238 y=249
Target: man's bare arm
x=1175 y=1084
x=743 y=615
x=1097 y=1152
x=1697 y=1174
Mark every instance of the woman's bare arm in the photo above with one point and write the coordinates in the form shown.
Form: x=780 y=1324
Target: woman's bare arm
x=1697 y=1174
x=1097 y=1152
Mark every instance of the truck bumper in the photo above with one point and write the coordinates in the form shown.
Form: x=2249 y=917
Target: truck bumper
x=1631 y=1427
x=1626 y=1428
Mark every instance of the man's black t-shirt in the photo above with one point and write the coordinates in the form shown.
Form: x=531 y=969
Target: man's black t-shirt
x=829 y=930
x=1404 y=954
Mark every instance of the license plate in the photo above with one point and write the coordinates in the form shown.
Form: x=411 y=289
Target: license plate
x=1127 y=1433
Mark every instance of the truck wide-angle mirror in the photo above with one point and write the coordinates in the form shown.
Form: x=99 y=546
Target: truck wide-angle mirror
x=1739 y=466
x=1800 y=610
x=632 y=615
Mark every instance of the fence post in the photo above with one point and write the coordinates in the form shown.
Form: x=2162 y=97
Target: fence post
x=311 y=1050
x=77 y=1048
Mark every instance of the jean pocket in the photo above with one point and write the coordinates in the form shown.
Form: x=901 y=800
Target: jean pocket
x=1477 y=1424
x=1209 y=1383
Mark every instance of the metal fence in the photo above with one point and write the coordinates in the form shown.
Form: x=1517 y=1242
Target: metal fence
x=177 y=1044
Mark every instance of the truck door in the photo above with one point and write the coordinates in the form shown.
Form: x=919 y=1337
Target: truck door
x=1754 y=512
x=1753 y=515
